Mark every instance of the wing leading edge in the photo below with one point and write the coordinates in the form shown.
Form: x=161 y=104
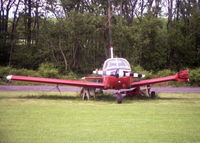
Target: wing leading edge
x=56 y=81
x=181 y=76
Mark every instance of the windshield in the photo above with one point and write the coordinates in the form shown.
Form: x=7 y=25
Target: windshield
x=116 y=63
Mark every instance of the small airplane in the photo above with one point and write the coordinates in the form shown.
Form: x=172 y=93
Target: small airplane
x=116 y=74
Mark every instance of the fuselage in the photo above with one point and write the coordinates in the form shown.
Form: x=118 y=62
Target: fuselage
x=114 y=70
x=116 y=73
x=112 y=82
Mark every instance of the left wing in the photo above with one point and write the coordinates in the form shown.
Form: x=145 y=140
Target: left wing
x=181 y=76
x=56 y=81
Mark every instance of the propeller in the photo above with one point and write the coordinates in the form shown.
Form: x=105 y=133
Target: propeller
x=118 y=73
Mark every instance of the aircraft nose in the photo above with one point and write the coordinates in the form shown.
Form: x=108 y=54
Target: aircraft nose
x=120 y=73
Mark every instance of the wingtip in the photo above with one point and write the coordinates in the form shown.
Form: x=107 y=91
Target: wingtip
x=183 y=76
x=9 y=77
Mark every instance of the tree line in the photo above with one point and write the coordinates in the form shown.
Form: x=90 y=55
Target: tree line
x=74 y=34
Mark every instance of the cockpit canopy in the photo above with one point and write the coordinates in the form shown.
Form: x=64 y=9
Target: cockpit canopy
x=116 y=63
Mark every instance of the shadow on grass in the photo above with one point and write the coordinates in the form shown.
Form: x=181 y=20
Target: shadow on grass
x=99 y=98
x=175 y=98
x=51 y=97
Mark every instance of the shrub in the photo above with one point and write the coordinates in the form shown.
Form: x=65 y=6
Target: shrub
x=48 y=70
x=71 y=75
x=194 y=77
x=5 y=71
x=24 y=72
x=165 y=72
x=140 y=70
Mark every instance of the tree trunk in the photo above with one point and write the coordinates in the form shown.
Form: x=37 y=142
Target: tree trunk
x=62 y=53
x=109 y=24
x=170 y=13
x=14 y=25
x=29 y=24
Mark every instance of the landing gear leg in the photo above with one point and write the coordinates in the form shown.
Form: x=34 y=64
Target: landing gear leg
x=85 y=93
x=58 y=89
x=152 y=94
x=148 y=89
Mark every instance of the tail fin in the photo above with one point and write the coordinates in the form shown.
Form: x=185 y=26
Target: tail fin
x=183 y=76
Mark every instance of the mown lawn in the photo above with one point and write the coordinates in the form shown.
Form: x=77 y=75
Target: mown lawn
x=52 y=118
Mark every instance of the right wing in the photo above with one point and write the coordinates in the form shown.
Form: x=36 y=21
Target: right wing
x=56 y=81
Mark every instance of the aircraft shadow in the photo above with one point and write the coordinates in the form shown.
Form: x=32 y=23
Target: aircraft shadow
x=99 y=98
x=51 y=97
x=104 y=98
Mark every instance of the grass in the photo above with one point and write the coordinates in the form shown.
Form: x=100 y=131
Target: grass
x=52 y=118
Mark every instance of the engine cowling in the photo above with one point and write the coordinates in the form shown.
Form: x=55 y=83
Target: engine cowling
x=118 y=73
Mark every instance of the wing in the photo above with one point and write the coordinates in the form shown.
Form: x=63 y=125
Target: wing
x=56 y=81
x=181 y=76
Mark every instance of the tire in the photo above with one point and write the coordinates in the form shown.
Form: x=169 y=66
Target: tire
x=153 y=95
x=119 y=98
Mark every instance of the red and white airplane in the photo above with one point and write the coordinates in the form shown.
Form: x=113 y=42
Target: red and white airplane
x=116 y=74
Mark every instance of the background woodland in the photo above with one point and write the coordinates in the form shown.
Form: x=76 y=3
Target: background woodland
x=73 y=35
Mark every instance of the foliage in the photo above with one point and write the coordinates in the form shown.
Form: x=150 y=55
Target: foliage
x=140 y=70
x=165 y=72
x=73 y=35
x=151 y=43
x=71 y=75
x=4 y=71
x=195 y=77
x=48 y=70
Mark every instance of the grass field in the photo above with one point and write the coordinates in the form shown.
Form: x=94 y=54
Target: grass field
x=52 y=118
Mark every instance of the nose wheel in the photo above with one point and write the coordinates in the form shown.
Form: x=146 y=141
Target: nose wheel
x=119 y=98
x=153 y=95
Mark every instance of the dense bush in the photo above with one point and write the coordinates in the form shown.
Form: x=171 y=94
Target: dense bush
x=70 y=75
x=140 y=70
x=48 y=70
x=24 y=72
x=165 y=72
x=195 y=77
x=4 y=71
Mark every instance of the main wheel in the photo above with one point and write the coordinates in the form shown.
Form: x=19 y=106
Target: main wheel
x=119 y=98
x=153 y=95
